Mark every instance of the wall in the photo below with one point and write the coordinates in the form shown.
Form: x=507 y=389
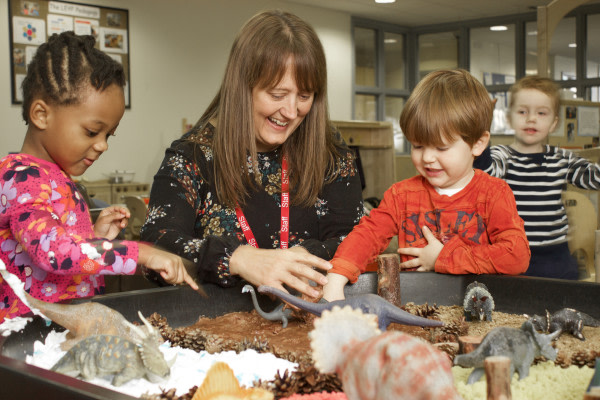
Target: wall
x=178 y=51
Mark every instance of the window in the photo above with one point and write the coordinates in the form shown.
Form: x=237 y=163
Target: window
x=562 y=54
x=437 y=51
x=592 y=66
x=492 y=51
x=393 y=49
x=390 y=60
x=365 y=107
x=364 y=45
x=380 y=67
x=531 y=48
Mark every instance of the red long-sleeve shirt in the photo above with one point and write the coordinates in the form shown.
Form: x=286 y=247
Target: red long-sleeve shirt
x=479 y=226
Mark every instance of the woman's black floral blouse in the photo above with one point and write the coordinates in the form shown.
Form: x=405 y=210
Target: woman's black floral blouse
x=185 y=216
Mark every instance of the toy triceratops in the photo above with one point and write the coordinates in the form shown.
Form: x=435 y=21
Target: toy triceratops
x=101 y=355
x=478 y=302
x=565 y=320
x=520 y=345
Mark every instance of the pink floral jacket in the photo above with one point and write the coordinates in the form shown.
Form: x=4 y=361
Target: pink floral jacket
x=47 y=237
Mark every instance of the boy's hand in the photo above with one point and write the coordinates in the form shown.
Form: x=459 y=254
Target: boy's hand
x=111 y=221
x=424 y=257
x=334 y=288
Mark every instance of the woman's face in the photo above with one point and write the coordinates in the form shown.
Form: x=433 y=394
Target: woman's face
x=278 y=111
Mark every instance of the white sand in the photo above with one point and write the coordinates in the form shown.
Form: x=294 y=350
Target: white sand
x=189 y=369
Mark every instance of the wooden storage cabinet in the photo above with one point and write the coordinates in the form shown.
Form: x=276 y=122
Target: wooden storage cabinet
x=114 y=193
x=375 y=142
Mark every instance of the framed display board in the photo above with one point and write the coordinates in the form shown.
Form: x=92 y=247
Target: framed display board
x=32 y=22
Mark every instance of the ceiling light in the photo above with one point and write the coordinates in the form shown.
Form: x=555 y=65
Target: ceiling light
x=532 y=33
x=572 y=45
x=385 y=1
x=390 y=41
x=498 y=28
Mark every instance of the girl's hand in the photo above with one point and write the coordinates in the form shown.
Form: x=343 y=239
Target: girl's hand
x=170 y=266
x=424 y=257
x=111 y=221
x=274 y=267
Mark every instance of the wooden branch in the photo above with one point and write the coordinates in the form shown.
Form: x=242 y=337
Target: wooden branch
x=497 y=374
x=467 y=344
x=388 y=274
x=592 y=394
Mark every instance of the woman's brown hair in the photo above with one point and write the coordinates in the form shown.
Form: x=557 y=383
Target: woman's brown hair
x=258 y=58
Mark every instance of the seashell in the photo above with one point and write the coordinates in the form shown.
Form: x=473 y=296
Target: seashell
x=220 y=383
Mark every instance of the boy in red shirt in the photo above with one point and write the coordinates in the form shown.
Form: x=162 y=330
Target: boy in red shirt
x=450 y=218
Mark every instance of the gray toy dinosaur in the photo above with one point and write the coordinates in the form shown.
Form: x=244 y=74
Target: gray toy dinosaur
x=564 y=320
x=478 y=302
x=277 y=314
x=520 y=345
x=369 y=304
x=101 y=355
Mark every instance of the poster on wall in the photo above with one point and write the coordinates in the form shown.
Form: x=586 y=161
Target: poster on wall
x=33 y=22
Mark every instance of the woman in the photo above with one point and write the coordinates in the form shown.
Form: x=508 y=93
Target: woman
x=221 y=197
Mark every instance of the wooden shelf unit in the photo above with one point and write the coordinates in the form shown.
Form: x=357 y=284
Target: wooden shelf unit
x=375 y=142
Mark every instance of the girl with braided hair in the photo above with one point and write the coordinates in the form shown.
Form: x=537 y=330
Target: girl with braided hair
x=73 y=102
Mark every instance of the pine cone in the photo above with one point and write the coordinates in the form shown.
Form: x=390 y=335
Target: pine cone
x=259 y=344
x=456 y=328
x=160 y=323
x=580 y=358
x=164 y=395
x=305 y=380
x=421 y=310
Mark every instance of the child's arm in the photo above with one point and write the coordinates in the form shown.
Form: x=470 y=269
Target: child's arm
x=493 y=160
x=111 y=221
x=367 y=240
x=168 y=265
x=582 y=172
x=334 y=288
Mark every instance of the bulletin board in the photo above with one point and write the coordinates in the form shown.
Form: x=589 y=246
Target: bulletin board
x=33 y=22
x=579 y=124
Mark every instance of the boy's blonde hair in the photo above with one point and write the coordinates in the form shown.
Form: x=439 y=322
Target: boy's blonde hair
x=447 y=103
x=544 y=85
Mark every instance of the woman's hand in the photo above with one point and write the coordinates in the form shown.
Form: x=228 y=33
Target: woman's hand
x=424 y=257
x=274 y=267
x=170 y=266
x=111 y=221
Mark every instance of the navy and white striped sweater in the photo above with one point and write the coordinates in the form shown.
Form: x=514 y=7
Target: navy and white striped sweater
x=537 y=181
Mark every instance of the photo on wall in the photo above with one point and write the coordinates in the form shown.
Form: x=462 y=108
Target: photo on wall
x=31 y=23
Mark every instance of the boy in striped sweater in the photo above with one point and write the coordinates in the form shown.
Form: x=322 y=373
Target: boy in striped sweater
x=537 y=174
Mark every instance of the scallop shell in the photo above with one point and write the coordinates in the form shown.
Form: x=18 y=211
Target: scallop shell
x=220 y=383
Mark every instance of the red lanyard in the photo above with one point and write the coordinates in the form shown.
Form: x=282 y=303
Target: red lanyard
x=285 y=212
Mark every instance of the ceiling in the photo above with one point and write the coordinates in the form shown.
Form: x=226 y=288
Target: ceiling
x=412 y=13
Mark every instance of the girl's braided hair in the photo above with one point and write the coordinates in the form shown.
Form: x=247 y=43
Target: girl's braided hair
x=66 y=65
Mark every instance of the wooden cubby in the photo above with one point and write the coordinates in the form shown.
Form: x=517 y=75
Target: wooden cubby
x=375 y=142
